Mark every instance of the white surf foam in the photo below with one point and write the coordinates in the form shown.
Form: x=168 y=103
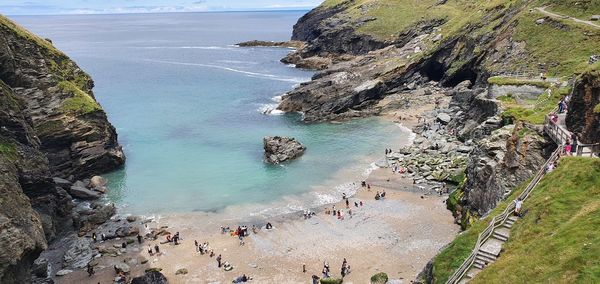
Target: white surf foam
x=270 y=109
x=248 y=73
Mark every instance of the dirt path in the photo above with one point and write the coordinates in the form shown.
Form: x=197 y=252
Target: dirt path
x=554 y=15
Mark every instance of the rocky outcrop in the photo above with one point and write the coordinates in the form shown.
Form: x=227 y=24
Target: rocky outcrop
x=501 y=162
x=24 y=181
x=583 y=117
x=51 y=126
x=279 y=149
x=150 y=277
x=327 y=31
x=73 y=129
x=262 y=43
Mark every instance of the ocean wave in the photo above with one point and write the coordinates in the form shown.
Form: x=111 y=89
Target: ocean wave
x=277 y=99
x=247 y=73
x=238 y=62
x=270 y=109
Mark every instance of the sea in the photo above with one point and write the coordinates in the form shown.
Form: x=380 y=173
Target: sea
x=189 y=108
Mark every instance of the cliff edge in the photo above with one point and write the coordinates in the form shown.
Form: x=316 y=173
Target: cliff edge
x=51 y=126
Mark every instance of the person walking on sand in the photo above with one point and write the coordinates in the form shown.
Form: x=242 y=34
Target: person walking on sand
x=150 y=250
x=347 y=203
x=219 y=261
x=156 y=249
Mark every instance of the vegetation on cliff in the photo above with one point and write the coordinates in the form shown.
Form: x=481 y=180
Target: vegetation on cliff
x=559 y=219
x=556 y=241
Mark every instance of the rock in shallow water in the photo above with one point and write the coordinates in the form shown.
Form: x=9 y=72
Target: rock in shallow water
x=279 y=149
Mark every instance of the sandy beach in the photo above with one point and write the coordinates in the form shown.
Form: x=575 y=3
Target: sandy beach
x=397 y=235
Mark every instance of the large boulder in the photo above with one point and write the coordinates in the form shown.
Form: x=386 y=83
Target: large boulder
x=150 y=277
x=97 y=182
x=279 y=149
x=79 y=254
x=83 y=193
x=122 y=267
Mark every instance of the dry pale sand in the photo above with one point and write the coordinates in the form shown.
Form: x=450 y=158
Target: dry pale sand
x=398 y=235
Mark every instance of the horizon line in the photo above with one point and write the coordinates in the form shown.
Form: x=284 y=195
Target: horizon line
x=169 y=12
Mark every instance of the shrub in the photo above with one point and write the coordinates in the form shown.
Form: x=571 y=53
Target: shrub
x=379 y=278
x=331 y=281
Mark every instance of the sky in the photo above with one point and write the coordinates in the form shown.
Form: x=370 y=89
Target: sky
x=53 y=7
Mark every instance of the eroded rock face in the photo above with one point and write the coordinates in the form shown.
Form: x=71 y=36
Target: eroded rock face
x=501 y=162
x=73 y=129
x=24 y=180
x=279 y=149
x=51 y=126
x=584 y=108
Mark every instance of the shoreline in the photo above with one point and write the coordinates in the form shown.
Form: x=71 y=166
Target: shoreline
x=399 y=234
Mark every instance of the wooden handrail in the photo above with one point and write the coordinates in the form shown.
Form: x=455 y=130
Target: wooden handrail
x=498 y=220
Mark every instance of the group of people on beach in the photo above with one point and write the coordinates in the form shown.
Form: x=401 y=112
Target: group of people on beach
x=345 y=270
x=204 y=248
x=339 y=213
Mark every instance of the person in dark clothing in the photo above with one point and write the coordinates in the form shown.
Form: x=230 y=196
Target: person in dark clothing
x=139 y=238
x=90 y=270
x=94 y=237
x=156 y=249
x=219 y=261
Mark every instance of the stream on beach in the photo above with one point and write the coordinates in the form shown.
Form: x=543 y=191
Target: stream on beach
x=189 y=108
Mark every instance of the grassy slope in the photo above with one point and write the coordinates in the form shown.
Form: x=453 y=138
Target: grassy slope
x=568 y=197
x=564 y=52
x=558 y=240
x=69 y=78
x=582 y=9
x=447 y=261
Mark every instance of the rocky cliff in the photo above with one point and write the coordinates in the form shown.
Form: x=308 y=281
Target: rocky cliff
x=583 y=117
x=379 y=48
x=51 y=126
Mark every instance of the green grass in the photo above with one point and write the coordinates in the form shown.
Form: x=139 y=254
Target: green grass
x=451 y=257
x=563 y=51
x=502 y=81
x=558 y=240
x=8 y=149
x=80 y=103
x=391 y=17
x=536 y=111
x=24 y=33
x=582 y=9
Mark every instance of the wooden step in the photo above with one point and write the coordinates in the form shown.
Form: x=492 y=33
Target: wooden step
x=506 y=225
x=487 y=253
x=485 y=259
x=472 y=272
x=513 y=218
x=499 y=237
x=478 y=265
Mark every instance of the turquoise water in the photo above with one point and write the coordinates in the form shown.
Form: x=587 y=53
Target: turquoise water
x=186 y=103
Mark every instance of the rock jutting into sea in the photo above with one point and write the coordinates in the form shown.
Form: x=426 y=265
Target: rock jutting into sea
x=279 y=149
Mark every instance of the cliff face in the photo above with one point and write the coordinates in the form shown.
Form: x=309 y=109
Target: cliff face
x=72 y=127
x=379 y=48
x=584 y=108
x=51 y=126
